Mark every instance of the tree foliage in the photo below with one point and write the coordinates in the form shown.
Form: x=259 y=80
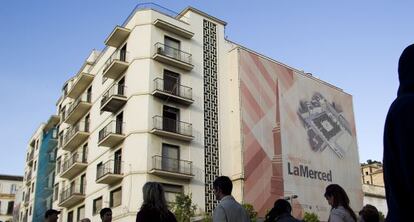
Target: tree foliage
x=310 y=217
x=251 y=212
x=183 y=207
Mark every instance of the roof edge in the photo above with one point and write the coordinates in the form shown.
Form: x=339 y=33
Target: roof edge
x=190 y=8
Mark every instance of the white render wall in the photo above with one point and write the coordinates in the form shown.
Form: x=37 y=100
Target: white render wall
x=140 y=146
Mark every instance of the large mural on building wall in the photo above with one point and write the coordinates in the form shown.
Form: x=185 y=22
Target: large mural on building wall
x=298 y=136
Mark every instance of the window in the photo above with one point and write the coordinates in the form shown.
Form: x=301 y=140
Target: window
x=30 y=210
x=366 y=173
x=171 y=191
x=34 y=165
x=61 y=139
x=70 y=216
x=367 y=181
x=56 y=192
x=97 y=205
x=172 y=47
x=32 y=187
x=171 y=82
x=10 y=206
x=58 y=162
x=170 y=117
x=65 y=89
x=13 y=189
x=170 y=158
x=81 y=213
x=115 y=197
x=118 y=161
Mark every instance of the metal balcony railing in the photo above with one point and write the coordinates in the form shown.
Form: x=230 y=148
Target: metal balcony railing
x=172 y=125
x=118 y=55
x=115 y=90
x=81 y=126
x=113 y=127
x=173 y=89
x=27 y=198
x=109 y=167
x=77 y=157
x=172 y=53
x=30 y=157
x=86 y=97
x=172 y=165
x=73 y=189
x=29 y=176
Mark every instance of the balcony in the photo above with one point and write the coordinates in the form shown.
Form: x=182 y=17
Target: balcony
x=29 y=177
x=168 y=167
x=114 y=98
x=112 y=134
x=26 y=199
x=30 y=158
x=177 y=93
x=78 y=108
x=172 y=56
x=74 y=165
x=173 y=28
x=172 y=128
x=116 y=64
x=109 y=173
x=117 y=37
x=83 y=80
x=75 y=136
x=52 y=122
x=72 y=195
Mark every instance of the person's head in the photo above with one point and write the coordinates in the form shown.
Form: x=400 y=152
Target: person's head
x=154 y=198
x=280 y=207
x=336 y=196
x=406 y=70
x=222 y=187
x=51 y=215
x=369 y=213
x=106 y=214
x=85 y=220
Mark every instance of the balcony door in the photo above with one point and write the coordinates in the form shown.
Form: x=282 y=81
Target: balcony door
x=118 y=123
x=117 y=161
x=122 y=53
x=171 y=82
x=121 y=86
x=170 y=158
x=172 y=47
x=82 y=184
x=170 y=118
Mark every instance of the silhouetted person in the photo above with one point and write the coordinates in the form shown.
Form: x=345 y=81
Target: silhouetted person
x=106 y=214
x=369 y=213
x=51 y=215
x=399 y=143
x=281 y=212
x=339 y=201
x=154 y=208
x=228 y=210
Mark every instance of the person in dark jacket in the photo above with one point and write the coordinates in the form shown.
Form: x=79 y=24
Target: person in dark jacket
x=281 y=212
x=154 y=208
x=399 y=143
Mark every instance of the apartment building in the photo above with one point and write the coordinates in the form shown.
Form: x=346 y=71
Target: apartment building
x=372 y=177
x=9 y=185
x=169 y=99
x=39 y=173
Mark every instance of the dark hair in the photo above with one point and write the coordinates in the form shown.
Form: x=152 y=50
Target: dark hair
x=154 y=198
x=369 y=213
x=340 y=198
x=104 y=211
x=280 y=207
x=224 y=184
x=51 y=212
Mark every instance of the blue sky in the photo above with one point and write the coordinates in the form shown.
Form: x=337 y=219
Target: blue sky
x=354 y=45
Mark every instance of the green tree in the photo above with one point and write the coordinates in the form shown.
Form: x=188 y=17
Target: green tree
x=381 y=216
x=310 y=217
x=251 y=212
x=183 y=207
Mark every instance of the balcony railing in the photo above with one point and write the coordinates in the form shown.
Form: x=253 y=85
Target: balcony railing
x=73 y=194
x=82 y=81
x=26 y=199
x=176 y=92
x=29 y=176
x=74 y=165
x=114 y=98
x=30 y=158
x=171 y=167
x=78 y=108
x=111 y=134
x=109 y=172
x=172 y=128
x=76 y=135
x=116 y=64
x=184 y=58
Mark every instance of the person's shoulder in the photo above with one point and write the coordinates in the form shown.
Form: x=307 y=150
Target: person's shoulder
x=402 y=103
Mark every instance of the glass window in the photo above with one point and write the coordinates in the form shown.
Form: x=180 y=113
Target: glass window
x=70 y=216
x=81 y=213
x=171 y=191
x=97 y=205
x=116 y=197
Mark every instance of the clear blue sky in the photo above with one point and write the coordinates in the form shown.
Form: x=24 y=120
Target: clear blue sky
x=354 y=45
